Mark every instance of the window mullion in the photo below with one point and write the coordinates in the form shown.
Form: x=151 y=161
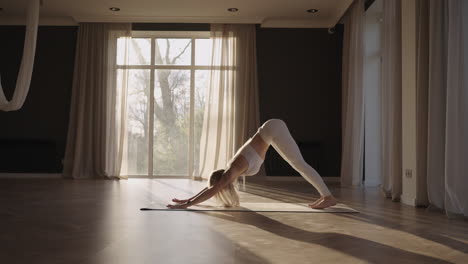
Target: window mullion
x=151 y=112
x=192 y=115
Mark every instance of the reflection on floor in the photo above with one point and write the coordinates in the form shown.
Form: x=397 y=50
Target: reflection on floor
x=99 y=221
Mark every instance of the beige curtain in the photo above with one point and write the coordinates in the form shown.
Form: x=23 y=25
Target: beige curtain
x=437 y=102
x=353 y=96
x=422 y=78
x=27 y=62
x=391 y=100
x=231 y=111
x=447 y=149
x=97 y=118
x=456 y=145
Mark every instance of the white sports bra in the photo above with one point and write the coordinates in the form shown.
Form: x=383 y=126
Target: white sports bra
x=252 y=157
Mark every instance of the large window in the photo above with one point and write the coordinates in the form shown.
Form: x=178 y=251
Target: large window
x=167 y=76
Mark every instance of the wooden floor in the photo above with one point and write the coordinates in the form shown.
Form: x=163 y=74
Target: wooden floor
x=99 y=221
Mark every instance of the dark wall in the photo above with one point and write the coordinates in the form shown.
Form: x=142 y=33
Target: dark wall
x=299 y=80
x=33 y=138
x=299 y=73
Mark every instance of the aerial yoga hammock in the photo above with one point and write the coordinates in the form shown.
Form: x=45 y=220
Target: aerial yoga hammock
x=24 y=76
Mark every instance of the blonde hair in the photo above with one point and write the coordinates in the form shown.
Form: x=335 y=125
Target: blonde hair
x=228 y=196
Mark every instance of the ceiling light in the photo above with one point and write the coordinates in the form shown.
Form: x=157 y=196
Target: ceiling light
x=233 y=9
x=115 y=9
x=312 y=10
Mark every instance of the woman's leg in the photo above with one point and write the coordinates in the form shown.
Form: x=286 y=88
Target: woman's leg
x=276 y=133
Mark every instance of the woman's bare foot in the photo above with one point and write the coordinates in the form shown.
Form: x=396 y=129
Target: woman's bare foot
x=324 y=202
x=316 y=202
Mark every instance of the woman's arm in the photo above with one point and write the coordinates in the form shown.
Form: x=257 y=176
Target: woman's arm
x=237 y=167
x=191 y=198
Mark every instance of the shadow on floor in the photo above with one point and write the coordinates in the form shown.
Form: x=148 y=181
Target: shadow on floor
x=423 y=232
x=363 y=249
x=390 y=219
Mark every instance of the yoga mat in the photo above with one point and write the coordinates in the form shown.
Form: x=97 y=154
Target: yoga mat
x=260 y=207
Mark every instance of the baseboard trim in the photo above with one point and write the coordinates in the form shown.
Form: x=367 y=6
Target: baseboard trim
x=372 y=183
x=30 y=175
x=408 y=200
x=289 y=178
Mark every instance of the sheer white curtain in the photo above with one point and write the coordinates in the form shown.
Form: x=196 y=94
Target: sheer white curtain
x=231 y=111
x=391 y=99
x=447 y=165
x=437 y=103
x=96 y=133
x=27 y=62
x=353 y=96
x=456 y=150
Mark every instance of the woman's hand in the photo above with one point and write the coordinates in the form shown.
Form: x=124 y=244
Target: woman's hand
x=175 y=200
x=178 y=206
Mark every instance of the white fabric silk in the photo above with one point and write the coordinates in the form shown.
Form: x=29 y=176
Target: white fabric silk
x=27 y=62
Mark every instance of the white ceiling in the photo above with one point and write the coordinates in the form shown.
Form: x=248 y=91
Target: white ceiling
x=269 y=13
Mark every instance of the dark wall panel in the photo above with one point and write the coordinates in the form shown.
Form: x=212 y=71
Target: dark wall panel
x=299 y=81
x=299 y=73
x=41 y=125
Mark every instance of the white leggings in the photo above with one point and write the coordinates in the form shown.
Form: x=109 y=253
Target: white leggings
x=276 y=133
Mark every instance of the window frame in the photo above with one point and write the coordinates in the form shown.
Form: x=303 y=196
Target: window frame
x=153 y=35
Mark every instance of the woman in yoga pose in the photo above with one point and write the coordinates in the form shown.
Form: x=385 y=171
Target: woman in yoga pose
x=247 y=162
